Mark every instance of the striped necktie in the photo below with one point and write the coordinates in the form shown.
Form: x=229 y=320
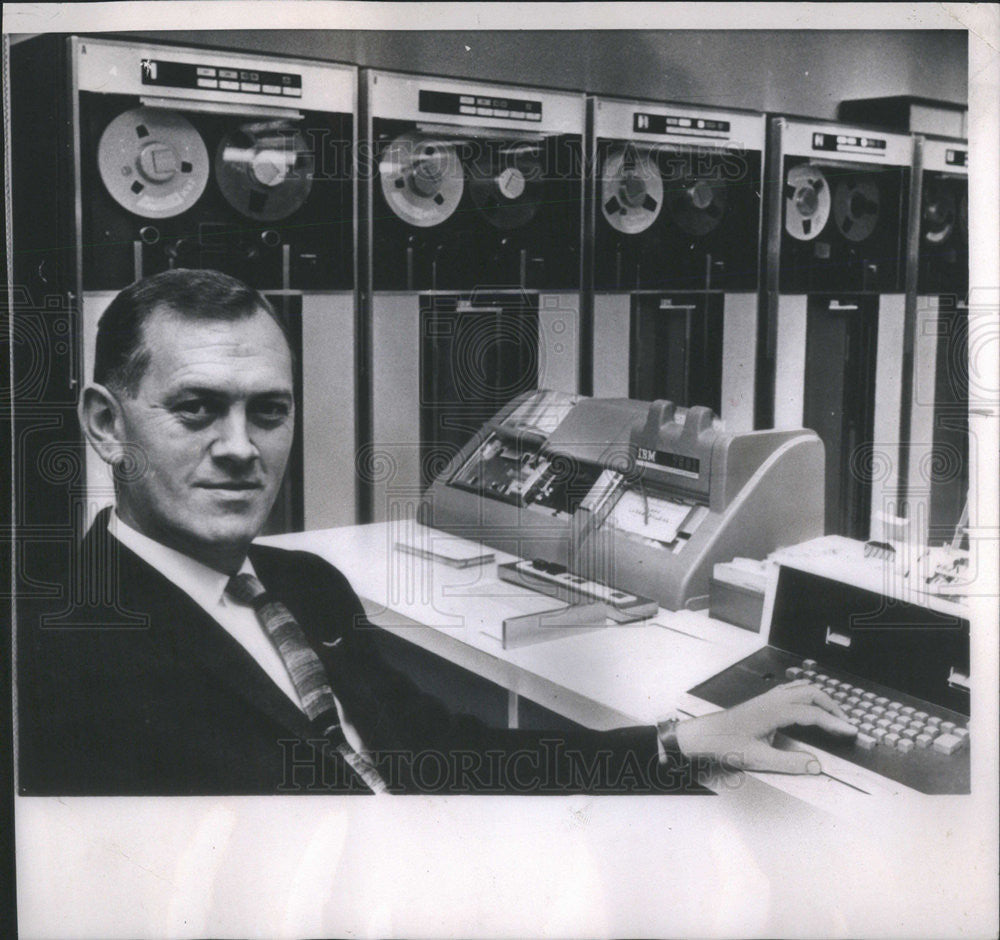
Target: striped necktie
x=305 y=670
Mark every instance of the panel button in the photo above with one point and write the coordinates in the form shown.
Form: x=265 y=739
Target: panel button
x=948 y=743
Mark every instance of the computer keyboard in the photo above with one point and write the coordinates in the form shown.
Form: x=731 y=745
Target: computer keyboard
x=921 y=745
x=881 y=720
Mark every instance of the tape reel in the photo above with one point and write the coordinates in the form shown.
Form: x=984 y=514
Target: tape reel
x=153 y=162
x=940 y=215
x=856 y=207
x=697 y=205
x=807 y=202
x=507 y=193
x=631 y=191
x=265 y=171
x=422 y=179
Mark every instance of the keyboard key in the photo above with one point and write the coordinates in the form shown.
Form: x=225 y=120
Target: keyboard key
x=923 y=740
x=948 y=743
x=892 y=715
x=883 y=722
x=809 y=674
x=897 y=728
x=891 y=739
x=867 y=727
x=877 y=710
x=809 y=664
x=917 y=723
x=859 y=692
x=934 y=720
x=868 y=696
x=793 y=672
x=881 y=700
x=858 y=712
x=907 y=710
x=947 y=726
x=853 y=700
x=961 y=733
x=910 y=733
x=865 y=741
x=821 y=678
x=879 y=734
x=923 y=716
x=905 y=745
x=895 y=706
x=840 y=696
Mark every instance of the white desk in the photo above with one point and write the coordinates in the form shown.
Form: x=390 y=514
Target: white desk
x=603 y=678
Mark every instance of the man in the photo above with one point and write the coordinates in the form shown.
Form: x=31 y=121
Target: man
x=204 y=664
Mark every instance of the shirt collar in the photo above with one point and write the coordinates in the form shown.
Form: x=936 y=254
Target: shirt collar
x=204 y=585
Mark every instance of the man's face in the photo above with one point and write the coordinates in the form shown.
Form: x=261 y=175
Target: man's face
x=213 y=416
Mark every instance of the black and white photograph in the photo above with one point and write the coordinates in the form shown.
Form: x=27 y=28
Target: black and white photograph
x=501 y=469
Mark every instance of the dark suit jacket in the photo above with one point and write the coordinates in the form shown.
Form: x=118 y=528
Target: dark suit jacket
x=132 y=688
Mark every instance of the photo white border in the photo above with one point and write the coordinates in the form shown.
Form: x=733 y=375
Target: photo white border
x=487 y=866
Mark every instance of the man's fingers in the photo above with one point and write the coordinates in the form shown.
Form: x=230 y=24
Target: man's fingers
x=782 y=762
x=813 y=715
x=810 y=695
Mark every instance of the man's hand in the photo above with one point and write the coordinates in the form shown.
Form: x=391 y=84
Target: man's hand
x=741 y=736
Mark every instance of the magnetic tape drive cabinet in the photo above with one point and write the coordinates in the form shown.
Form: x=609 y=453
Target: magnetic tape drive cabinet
x=473 y=203
x=172 y=157
x=938 y=451
x=833 y=321
x=674 y=209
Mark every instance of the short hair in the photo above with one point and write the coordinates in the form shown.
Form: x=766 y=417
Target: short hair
x=121 y=357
